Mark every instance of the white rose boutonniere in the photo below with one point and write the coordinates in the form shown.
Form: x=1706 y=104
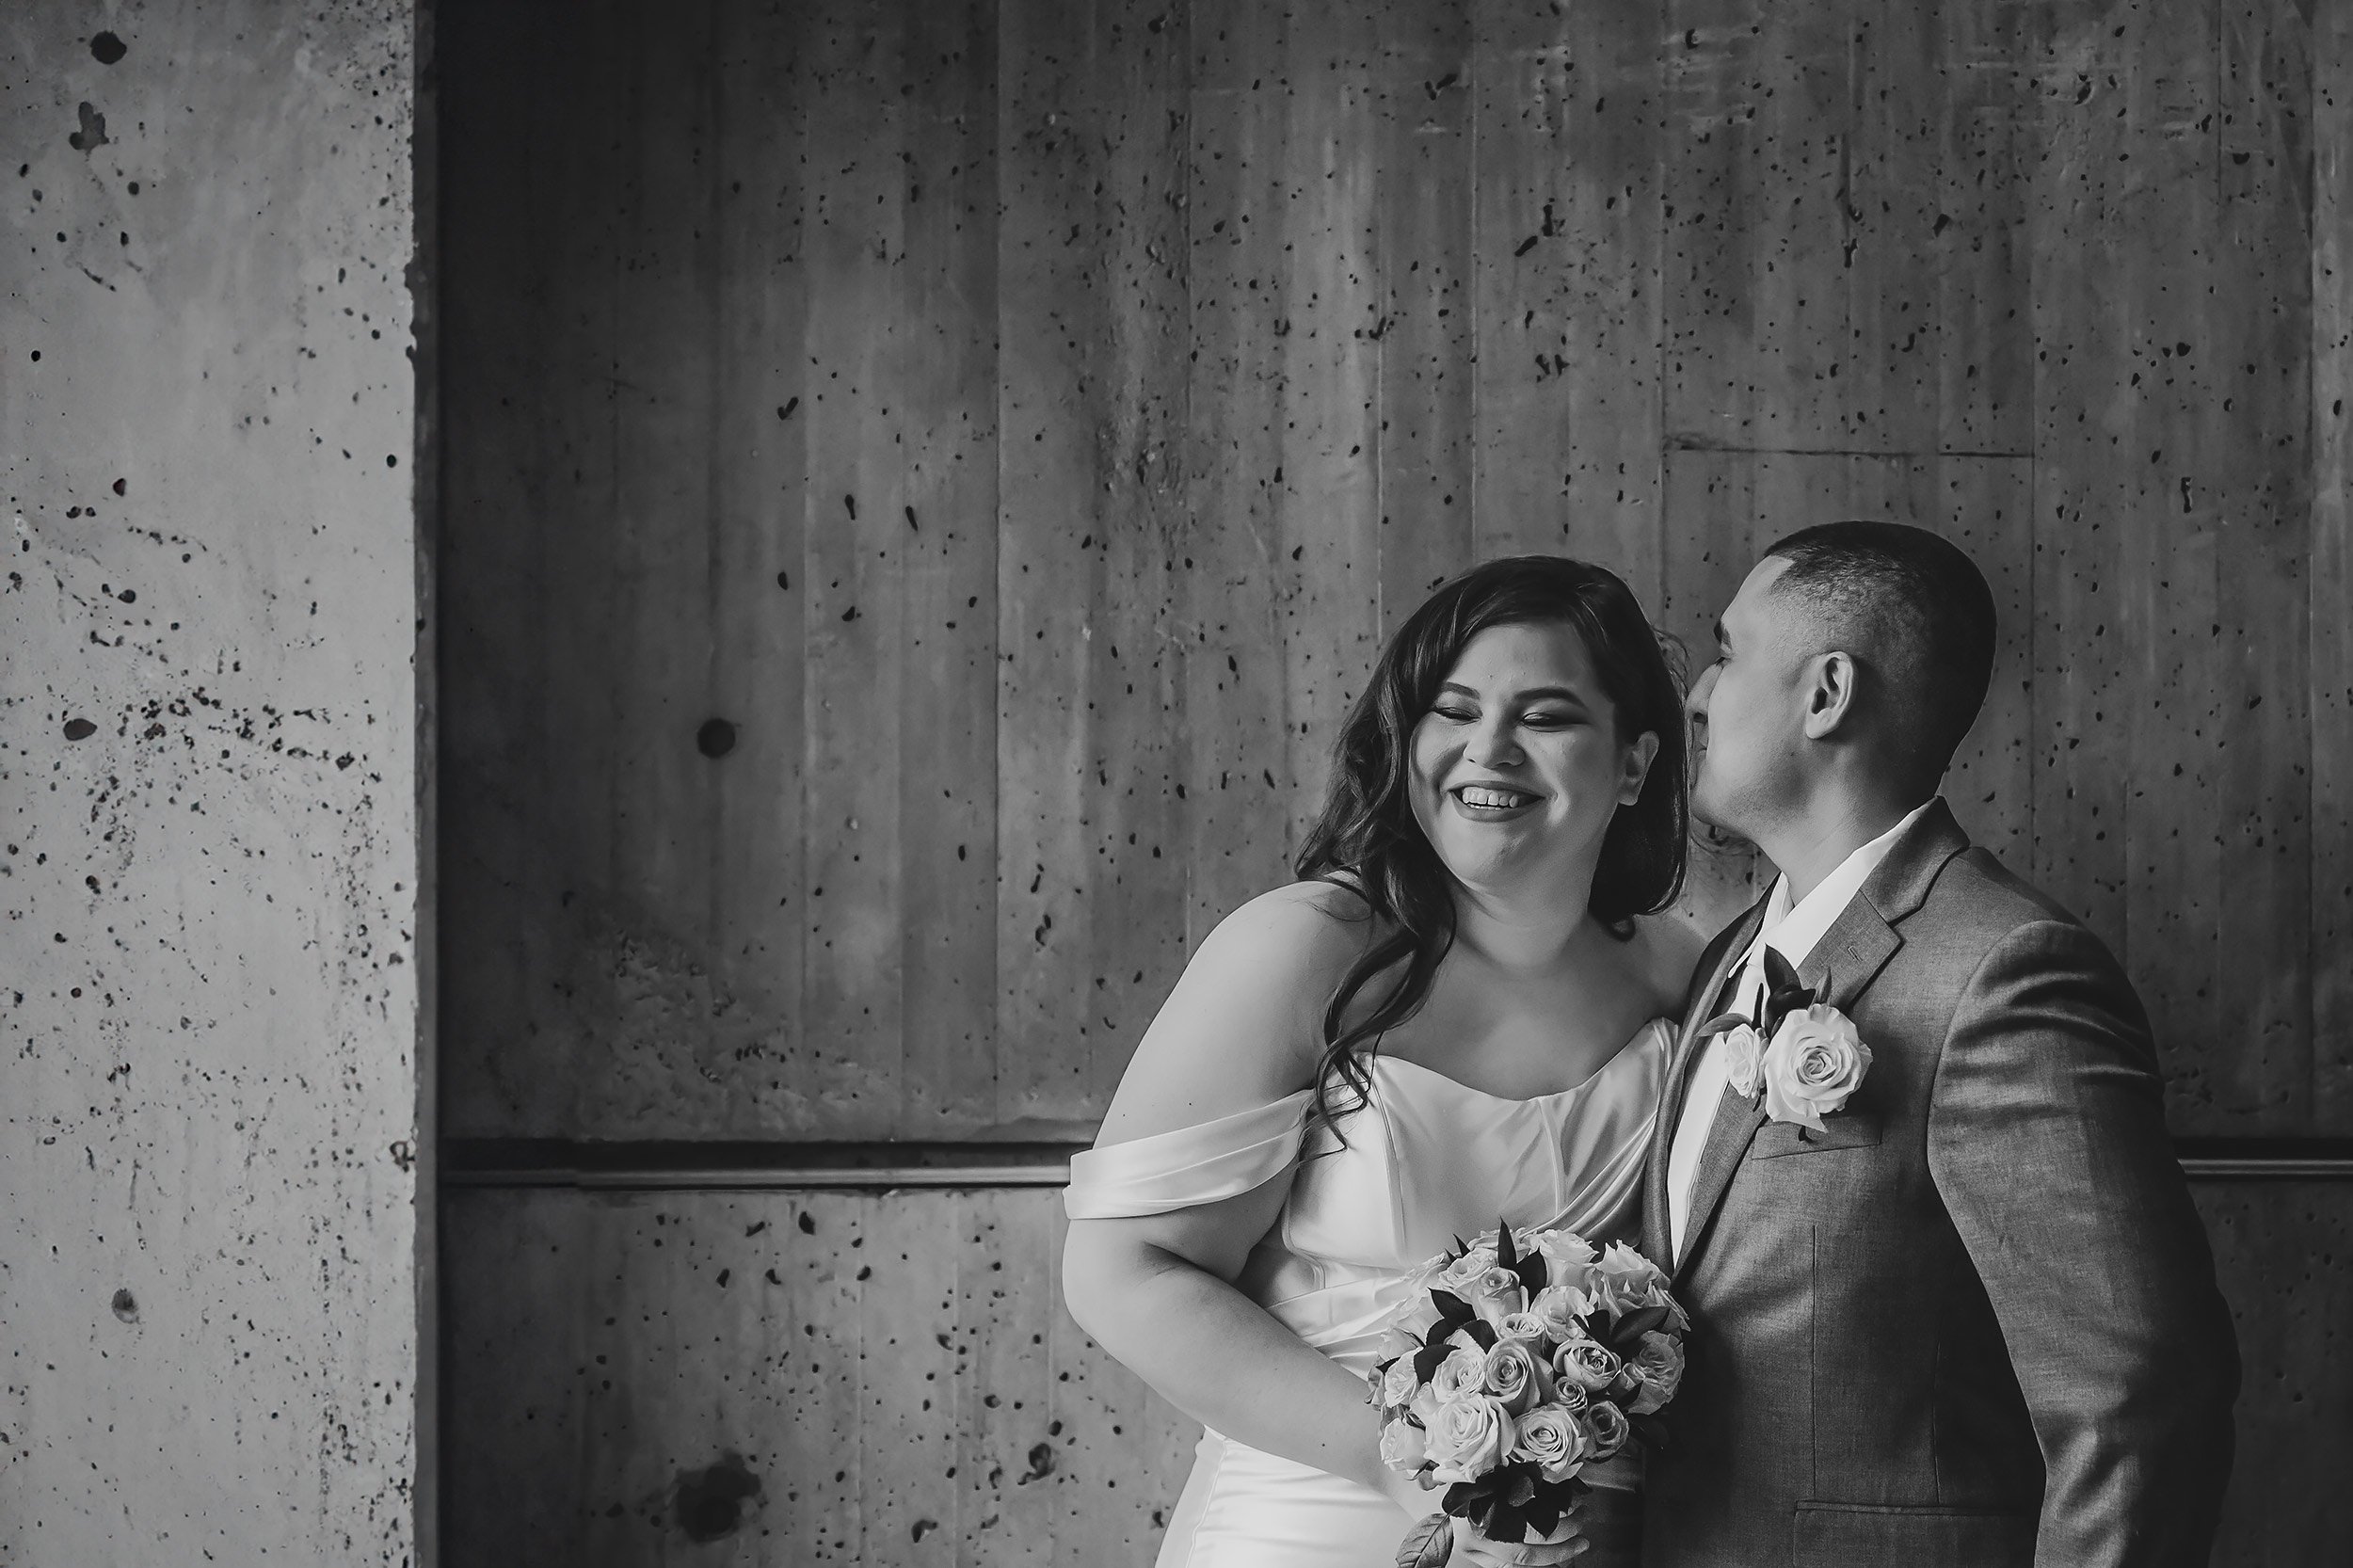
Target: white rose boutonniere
x=1744 y=1056
x=1815 y=1064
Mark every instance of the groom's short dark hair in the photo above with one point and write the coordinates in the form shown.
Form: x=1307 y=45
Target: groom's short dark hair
x=1913 y=605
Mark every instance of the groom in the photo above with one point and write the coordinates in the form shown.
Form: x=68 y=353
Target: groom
x=1971 y=1319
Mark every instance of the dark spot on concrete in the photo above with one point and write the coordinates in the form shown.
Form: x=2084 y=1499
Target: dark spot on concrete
x=716 y=737
x=911 y=522
x=784 y=579
x=709 y=1504
x=106 y=49
x=723 y=1277
x=790 y=404
x=121 y=486
x=1041 y=1463
x=79 y=729
x=93 y=134
x=923 y=1528
x=808 y=1226
x=125 y=1308
x=851 y=502
x=756 y=1229
x=344 y=761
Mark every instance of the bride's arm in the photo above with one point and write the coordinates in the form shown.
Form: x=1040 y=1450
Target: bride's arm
x=1239 y=1031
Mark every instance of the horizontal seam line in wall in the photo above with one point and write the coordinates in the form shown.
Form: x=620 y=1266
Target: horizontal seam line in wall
x=1701 y=443
x=788 y=1167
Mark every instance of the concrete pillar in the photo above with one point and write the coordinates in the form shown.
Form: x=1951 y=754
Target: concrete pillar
x=209 y=808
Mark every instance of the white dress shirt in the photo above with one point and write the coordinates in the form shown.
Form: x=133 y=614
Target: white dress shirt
x=1792 y=933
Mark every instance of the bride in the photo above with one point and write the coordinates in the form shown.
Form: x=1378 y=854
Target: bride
x=1453 y=1018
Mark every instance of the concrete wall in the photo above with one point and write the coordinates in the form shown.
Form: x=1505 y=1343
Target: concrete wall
x=208 y=801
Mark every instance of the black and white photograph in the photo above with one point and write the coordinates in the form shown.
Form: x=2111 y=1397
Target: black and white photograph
x=1176 y=783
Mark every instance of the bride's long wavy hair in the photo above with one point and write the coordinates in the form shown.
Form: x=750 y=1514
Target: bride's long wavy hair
x=1369 y=840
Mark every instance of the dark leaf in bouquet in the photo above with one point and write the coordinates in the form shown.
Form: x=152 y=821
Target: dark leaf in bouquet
x=1452 y=1308
x=1427 y=1543
x=1634 y=1325
x=1503 y=1523
x=1482 y=1331
x=1505 y=1256
x=1534 y=1274
x=1426 y=1360
x=1520 y=1489
x=1543 y=1514
x=1650 y=1431
x=1458 y=1252
x=1461 y=1498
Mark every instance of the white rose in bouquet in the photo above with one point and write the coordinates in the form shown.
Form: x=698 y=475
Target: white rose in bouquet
x=1398 y=1384
x=1469 y=1438
x=1567 y=1255
x=1464 y=1270
x=1609 y=1428
x=1494 y=1295
x=1403 y=1446
x=1463 y=1371
x=1526 y=1327
x=1587 y=1364
x=1630 y=1282
x=1513 y=1375
x=1658 y=1369
x=1553 y=1438
x=1558 y=1307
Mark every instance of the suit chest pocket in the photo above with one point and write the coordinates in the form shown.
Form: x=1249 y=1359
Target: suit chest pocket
x=1847 y=1129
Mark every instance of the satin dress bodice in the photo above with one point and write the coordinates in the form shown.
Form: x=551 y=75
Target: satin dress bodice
x=1424 y=1160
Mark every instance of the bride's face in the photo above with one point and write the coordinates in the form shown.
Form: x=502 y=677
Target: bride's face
x=1517 y=767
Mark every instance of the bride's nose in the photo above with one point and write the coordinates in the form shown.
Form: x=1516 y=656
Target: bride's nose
x=1494 y=745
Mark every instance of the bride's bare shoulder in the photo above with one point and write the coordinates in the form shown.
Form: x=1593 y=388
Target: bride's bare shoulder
x=1242 y=1026
x=1293 y=934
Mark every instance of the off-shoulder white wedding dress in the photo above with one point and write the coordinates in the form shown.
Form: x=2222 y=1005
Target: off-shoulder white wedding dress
x=1426 y=1159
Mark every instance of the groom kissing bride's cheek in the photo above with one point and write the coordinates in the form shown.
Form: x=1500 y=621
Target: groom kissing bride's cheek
x=1481 y=1219
x=1950 y=1300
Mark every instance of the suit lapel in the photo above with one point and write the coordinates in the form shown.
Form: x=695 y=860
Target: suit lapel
x=1848 y=959
x=1698 y=1007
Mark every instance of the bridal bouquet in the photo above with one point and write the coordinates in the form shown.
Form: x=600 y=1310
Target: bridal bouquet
x=1517 y=1361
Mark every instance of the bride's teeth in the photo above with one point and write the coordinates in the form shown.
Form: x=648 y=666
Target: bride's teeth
x=1491 y=798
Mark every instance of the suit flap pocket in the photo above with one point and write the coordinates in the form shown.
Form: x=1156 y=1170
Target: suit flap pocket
x=1844 y=1130
x=1861 y=1535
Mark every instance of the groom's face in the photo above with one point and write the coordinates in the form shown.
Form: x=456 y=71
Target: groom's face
x=1748 y=708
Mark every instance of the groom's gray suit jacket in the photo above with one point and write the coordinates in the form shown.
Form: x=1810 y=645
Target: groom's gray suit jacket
x=1974 y=1322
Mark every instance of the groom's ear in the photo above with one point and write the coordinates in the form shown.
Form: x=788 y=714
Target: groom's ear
x=1829 y=693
